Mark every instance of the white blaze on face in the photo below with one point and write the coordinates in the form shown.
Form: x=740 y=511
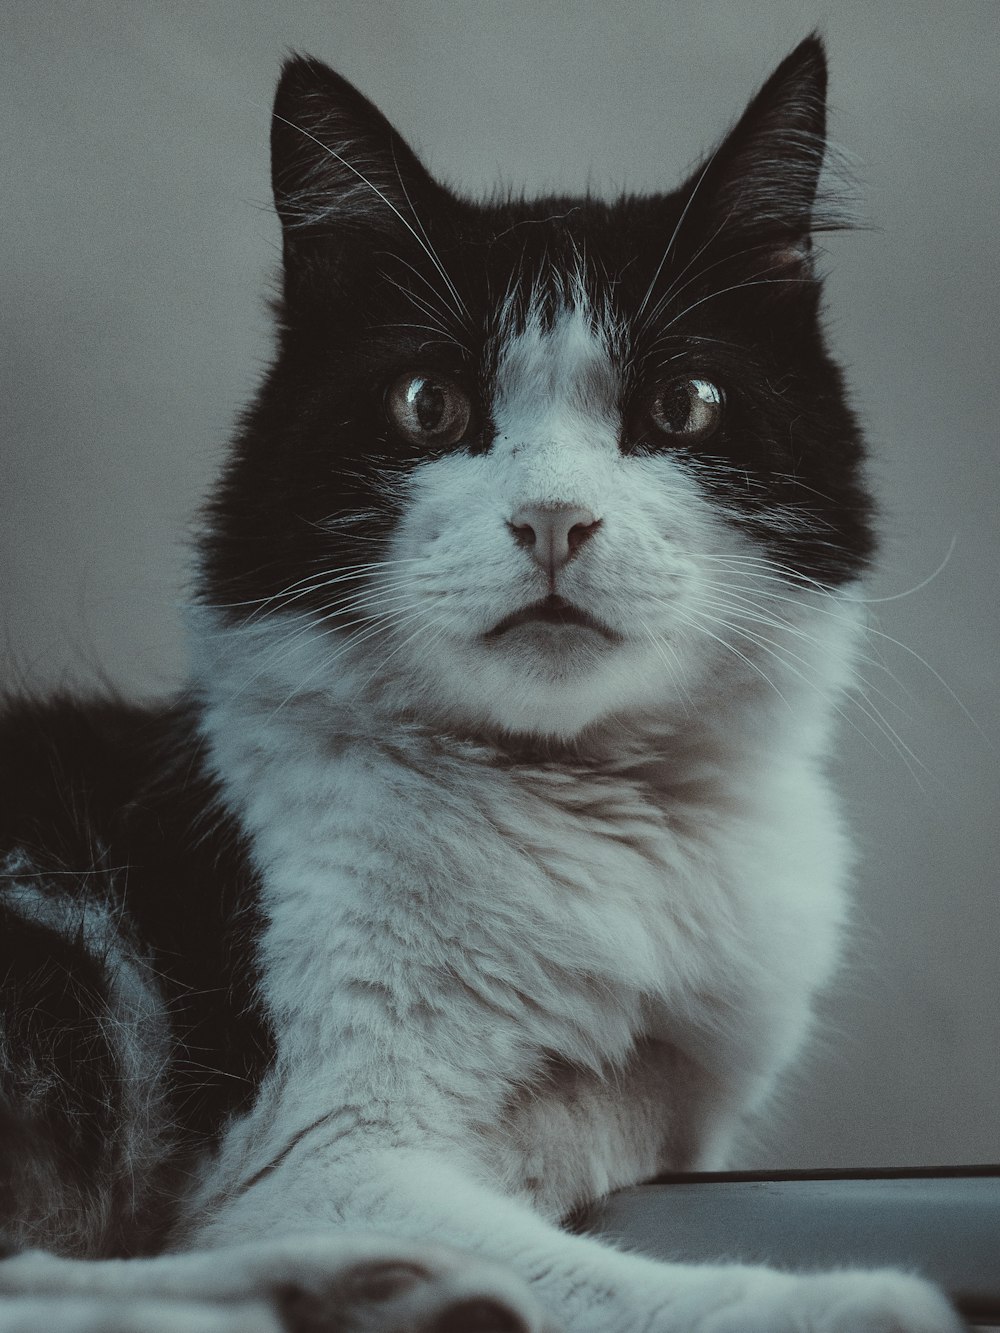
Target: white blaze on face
x=557 y=445
x=556 y=410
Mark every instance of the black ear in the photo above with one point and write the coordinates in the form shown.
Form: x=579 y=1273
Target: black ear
x=335 y=160
x=760 y=186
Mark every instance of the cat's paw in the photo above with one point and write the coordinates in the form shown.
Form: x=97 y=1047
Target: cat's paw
x=881 y=1301
x=307 y=1284
x=396 y=1287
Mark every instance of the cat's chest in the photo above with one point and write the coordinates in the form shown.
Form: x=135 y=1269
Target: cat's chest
x=574 y=906
x=443 y=931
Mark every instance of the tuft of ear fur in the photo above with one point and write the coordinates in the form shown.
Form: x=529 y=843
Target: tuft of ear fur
x=762 y=184
x=336 y=161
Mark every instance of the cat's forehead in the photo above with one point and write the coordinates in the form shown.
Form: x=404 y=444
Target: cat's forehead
x=560 y=279
x=552 y=311
x=557 y=348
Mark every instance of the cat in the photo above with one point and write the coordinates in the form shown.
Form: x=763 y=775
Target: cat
x=488 y=864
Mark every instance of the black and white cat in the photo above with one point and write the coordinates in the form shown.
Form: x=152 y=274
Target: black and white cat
x=489 y=863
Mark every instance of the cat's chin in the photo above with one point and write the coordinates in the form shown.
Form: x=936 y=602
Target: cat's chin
x=559 y=651
x=536 y=680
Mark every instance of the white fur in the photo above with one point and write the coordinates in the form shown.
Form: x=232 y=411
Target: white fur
x=344 y=1282
x=502 y=983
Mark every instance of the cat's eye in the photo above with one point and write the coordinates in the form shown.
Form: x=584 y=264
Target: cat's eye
x=428 y=409
x=688 y=409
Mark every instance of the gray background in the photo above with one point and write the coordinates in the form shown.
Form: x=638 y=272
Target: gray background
x=134 y=261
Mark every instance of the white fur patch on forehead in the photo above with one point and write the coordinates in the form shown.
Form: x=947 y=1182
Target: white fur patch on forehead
x=565 y=362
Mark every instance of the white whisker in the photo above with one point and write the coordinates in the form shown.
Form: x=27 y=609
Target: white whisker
x=788 y=659
x=460 y=309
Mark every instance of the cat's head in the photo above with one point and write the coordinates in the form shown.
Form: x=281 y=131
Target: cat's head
x=522 y=465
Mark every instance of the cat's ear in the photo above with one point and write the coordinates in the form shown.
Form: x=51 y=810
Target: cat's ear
x=336 y=162
x=760 y=188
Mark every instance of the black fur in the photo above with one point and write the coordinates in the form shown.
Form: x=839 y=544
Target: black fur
x=736 y=300
x=108 y=804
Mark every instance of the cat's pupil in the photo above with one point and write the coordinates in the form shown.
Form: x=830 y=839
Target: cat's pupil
x=425 y=409
x=428 y=402
x=675 y=407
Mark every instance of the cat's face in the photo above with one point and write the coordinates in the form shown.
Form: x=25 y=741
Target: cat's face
x=521 y=466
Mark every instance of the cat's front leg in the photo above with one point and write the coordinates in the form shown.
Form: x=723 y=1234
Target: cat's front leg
x=316 y=1282
x=584 y=1285
x=744 y=1299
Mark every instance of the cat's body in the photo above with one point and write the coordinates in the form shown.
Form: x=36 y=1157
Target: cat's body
x=489 y=864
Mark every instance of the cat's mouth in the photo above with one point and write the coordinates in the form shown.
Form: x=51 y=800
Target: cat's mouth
x=552 y=610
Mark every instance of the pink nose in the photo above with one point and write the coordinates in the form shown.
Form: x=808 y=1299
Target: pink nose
x=553 y=533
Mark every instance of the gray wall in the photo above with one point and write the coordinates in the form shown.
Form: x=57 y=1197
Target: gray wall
x=133 y=268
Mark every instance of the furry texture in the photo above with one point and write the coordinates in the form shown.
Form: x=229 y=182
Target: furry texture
x=525 y=610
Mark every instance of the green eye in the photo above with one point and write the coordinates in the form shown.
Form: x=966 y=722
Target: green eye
x=687 y=409
x=428 y=409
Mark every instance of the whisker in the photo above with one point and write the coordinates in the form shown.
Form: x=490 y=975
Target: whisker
x=917 y=587
x=423 y=231
x=870 y=629
x=425 y=308
x=684 y=618
x=763 y=615
x=782 y=626
x=674 y=287
x=676 y=232
x=306 y=625
x=735 y=287
x=375 y=626
x=672 y=668
x=444 y=314
x=441 y=619
x=865 y=705
x=311 y=584
x=428 y=250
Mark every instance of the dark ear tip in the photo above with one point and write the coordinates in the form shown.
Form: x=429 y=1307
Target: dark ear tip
x=796 y=89
x=303 y=75
x=812 y=49
x=807 y=61
x=299 y=65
